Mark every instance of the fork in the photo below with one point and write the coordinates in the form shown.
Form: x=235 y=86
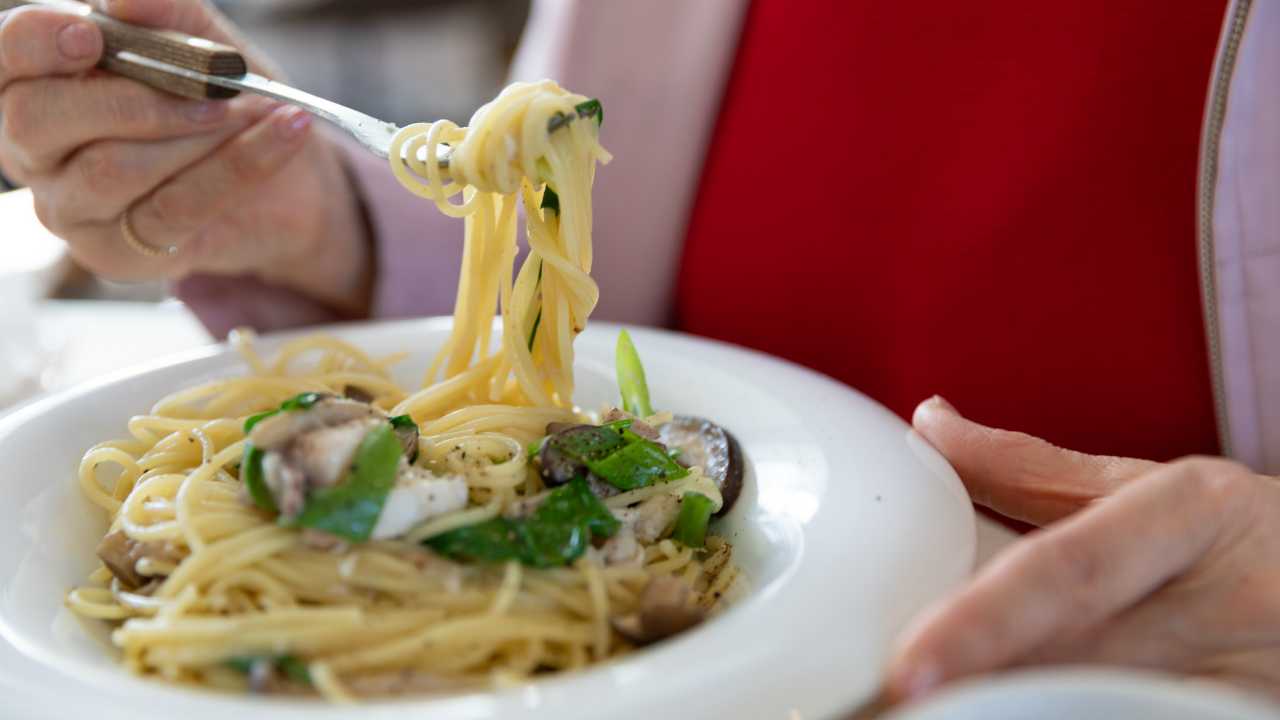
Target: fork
x=205 y=70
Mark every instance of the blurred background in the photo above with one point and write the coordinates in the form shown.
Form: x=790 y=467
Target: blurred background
x=402 y=60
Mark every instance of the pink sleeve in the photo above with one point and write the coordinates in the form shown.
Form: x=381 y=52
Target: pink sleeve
x=418 y=252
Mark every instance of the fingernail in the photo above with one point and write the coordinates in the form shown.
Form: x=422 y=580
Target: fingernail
x=941 y=403
x=78 y=41
x=207 y=112
x=934 y=404
x=292 y=123
x=110 y=7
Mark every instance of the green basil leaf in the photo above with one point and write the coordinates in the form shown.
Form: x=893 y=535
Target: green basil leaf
x=591 y=108
x=550 y=200
x=254 y=482
x=403 y=422
x=255 y=419
x=351 y=508
x=556 y=534
x=575 y=503
x=303 y=401
x=294 y=668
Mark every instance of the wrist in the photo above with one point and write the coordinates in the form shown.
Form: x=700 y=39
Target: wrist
x=338 y=266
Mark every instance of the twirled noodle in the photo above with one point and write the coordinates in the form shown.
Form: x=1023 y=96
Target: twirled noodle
x=223 y=581
x=507 y=155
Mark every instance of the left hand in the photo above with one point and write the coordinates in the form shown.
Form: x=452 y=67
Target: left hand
x=1173 y=566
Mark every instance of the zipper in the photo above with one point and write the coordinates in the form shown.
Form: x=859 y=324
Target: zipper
x=1209 y=144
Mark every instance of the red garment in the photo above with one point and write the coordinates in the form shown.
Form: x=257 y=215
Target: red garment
x=992 y=201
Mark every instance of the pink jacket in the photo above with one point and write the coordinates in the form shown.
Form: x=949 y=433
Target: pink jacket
x=661 y=82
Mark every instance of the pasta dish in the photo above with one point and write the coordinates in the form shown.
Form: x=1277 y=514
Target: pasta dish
x=313 y=528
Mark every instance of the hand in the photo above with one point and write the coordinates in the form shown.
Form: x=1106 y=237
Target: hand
x=241 y=186
x=1170 y=566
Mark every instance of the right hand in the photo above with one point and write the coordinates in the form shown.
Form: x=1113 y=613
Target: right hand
x=238 y=187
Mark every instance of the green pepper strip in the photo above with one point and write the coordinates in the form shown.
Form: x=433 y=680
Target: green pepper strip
x=631 y=382
x=351 y=508
x=691 y=524
x=556 y=534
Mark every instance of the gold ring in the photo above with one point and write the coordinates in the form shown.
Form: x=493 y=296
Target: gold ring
x=131 y=239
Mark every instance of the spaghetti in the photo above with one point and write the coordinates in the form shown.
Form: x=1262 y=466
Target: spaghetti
x=219 y=572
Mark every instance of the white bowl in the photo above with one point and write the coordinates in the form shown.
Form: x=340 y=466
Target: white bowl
x=1092 y=692
x=849 y=524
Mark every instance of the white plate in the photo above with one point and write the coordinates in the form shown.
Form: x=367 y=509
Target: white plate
x=1074 y=693
x=849 y=524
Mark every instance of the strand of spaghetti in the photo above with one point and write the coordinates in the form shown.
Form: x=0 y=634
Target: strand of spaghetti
x=241 y=340
x=489 y=418
x=434 y=399
x=572 y=601
x=226 y=555
x=328 y=684
x=471 y=629
x=452 y=521
x=508 y=590
x=96 y=603
x=100 y=455
x=599 y=605
x=337 y=349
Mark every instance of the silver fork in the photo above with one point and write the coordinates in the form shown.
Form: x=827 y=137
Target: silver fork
x=202 y=69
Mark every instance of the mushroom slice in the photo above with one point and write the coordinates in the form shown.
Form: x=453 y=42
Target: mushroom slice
x=408 y=436
x=279 y=430
x=359 y=394
x=121 y=553
x=666 y=608
x=710 y=447
x=116 y=552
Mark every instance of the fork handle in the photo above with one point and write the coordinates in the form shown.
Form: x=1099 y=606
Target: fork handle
x=174 y=48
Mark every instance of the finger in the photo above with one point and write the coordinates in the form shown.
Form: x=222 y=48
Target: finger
x=46 y=119
x=1226 y=605
x=103 y=178
x=1018 y=475
x=180 y=208
x=193 y=17
x=1068 y=577
x=35 y=42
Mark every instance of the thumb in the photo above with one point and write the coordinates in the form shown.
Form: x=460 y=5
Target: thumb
x=1017 y=475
